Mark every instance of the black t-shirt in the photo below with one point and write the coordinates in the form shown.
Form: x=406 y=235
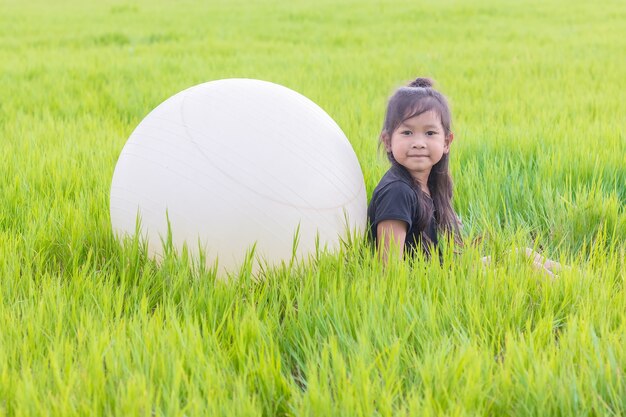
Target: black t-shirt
x=395 y=199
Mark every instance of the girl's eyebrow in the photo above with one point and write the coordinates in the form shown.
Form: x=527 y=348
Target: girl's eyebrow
x=410 y=126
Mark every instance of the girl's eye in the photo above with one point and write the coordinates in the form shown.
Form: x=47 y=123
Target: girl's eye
x=431 y=133
x=406 y=132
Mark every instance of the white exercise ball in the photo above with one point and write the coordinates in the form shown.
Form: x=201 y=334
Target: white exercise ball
x=235 y=163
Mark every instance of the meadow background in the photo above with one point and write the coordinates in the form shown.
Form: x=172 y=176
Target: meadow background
x=90 y=327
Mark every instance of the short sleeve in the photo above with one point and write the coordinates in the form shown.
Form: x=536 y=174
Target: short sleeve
x=395 y=201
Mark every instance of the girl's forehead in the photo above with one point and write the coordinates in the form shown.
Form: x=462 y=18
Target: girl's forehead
x=430 y=116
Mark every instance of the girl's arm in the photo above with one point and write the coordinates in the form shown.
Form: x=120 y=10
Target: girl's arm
x=539 y=261
x=390 y=235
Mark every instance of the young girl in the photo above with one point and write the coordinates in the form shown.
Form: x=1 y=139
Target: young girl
x=412 y=204
x=413 y=201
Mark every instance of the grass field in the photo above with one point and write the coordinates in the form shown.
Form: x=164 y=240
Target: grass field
x=90 y=327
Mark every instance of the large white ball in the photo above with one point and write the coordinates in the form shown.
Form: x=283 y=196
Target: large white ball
x=236 y=162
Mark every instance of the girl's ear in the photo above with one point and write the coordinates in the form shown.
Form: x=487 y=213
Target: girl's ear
x=449 y=139
x=386 y=140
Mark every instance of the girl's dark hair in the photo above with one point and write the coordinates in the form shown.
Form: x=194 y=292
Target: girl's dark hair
x=417 y=98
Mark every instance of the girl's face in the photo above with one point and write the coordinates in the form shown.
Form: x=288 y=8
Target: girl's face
x=418 y=144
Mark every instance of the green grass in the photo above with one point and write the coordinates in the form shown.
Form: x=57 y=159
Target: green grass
x=92 y=327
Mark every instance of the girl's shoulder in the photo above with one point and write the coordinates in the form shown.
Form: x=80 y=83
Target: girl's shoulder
x=394 y=189
x=394 y=179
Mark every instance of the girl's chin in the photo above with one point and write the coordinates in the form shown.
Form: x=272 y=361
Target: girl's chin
x=418 y=167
